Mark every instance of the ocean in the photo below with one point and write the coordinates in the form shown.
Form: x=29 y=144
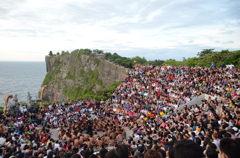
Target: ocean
x=20 y=78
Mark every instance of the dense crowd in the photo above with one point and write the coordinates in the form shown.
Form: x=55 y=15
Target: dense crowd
x=145 y=117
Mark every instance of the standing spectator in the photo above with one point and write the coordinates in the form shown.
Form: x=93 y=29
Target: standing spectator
x=213 y=65
x=223 y=65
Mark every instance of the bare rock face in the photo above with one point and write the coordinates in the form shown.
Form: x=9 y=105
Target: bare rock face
x=71 y=75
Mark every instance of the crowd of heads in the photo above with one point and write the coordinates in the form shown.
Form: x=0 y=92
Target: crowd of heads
x=149 y=115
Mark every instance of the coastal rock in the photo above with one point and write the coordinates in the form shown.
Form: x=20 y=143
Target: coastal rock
x=70 y=75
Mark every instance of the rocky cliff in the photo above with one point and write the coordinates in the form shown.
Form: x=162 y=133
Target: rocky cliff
x=80 y=75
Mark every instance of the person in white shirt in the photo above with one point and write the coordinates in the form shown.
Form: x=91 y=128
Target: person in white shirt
x=230 y=66
x=16 y=124
x=21 y=109
x=57 y=145
x=2 y=139
x=216 y=141
x=24 y=109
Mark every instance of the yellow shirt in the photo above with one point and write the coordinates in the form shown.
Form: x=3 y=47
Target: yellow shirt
x=145 y=118
x=162 y=113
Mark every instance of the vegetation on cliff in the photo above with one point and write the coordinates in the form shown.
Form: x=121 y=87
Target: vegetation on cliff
x=124 y=61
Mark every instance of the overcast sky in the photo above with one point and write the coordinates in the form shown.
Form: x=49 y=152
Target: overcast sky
x=155 y=29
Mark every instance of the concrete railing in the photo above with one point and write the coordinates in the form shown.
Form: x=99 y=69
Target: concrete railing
x=197 y=101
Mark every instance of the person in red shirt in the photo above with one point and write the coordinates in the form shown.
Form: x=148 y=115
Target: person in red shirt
x=44 y=139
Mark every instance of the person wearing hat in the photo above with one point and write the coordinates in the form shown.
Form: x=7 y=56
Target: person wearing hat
x=235 y=132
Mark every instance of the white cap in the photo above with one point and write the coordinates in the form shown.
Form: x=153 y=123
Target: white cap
x=235 y=129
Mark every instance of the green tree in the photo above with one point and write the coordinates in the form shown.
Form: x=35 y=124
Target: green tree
x=205 y=52
x=98 y=51
x=139 y=60
x=50 y=53
x=108 y=55
x=117 y=59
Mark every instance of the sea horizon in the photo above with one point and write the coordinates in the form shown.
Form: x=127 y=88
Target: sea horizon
x=21 y=77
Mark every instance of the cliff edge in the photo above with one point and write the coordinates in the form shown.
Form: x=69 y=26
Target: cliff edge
x=80 y=75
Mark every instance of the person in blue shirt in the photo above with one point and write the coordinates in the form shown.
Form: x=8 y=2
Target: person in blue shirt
x=213 y=65
x=17 y=131
x=127 y=107
x=148 y=107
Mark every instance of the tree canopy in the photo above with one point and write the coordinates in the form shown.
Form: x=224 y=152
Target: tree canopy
x=117 y=59
x=205 y=52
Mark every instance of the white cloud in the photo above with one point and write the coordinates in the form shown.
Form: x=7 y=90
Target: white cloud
x=156 y=29
x=152 y=15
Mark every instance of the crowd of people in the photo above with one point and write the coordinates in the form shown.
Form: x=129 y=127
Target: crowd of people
x=146 y=117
